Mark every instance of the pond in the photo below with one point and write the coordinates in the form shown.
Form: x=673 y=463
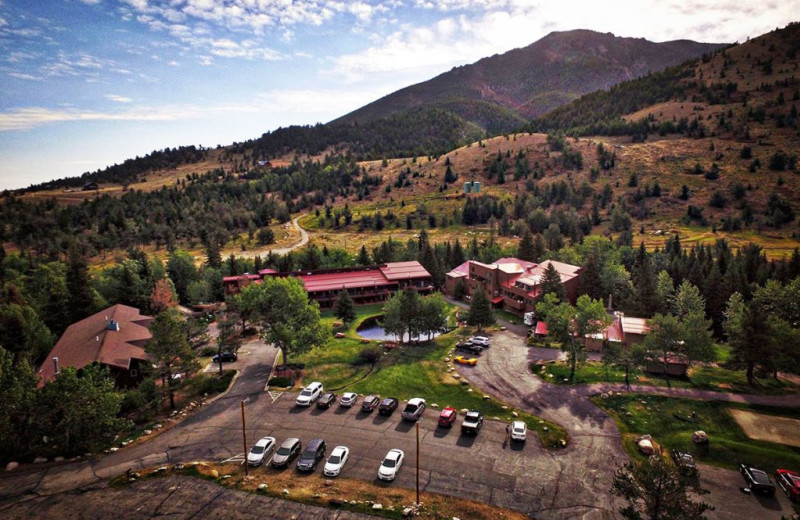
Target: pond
x=370 y=329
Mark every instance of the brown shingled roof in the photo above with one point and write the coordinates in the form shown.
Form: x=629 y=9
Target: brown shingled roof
x=90 y=341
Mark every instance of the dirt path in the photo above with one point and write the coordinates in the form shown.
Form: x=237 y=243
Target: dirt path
x=304 y=237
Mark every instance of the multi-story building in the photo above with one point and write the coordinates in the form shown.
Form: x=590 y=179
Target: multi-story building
x=370 y=284
x=511 y=283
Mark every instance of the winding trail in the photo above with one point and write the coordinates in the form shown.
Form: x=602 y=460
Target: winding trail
x=304 y=237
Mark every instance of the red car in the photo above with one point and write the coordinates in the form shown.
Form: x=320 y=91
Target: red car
x=447 y=417
x=789 y=481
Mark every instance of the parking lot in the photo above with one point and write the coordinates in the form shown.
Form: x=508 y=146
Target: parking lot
x=522 y=476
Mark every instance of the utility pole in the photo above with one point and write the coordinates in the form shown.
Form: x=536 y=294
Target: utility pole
x=244 y=438
x=417 y=425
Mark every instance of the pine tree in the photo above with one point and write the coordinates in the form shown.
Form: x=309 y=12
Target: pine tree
x=644 y=282
x=345 y=307
x=480 y=310
x=363 y=256
x=551 y=283
x=591 y=280
x=81 y=300
x=527 y=250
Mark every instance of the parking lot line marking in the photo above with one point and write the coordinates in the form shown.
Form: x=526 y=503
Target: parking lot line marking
x=236 y=458
x=275 y=395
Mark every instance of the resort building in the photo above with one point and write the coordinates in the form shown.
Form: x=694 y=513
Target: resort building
x=370 y=284
x=511 y=283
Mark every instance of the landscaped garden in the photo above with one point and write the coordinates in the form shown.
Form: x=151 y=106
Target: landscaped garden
x=699 y=377
x=672 y=421
x=351 y=364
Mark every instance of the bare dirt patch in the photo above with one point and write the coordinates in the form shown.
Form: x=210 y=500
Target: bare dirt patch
x=768 y=427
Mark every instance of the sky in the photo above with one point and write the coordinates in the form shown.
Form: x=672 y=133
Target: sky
x=85 y=84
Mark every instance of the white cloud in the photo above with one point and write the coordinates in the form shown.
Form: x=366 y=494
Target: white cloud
x=22 y=75
x=119 y=99
x=90 y=2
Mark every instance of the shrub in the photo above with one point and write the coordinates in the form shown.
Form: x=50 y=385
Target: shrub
x=213 y=384
x=369 y=355
x=282 y=382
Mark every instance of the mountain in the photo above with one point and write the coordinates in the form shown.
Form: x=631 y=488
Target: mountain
x=500 y=92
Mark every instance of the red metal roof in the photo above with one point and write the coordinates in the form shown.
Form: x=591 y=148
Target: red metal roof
x=541 y=328
x=241 y=277
x=89 y=341
x=497 y=300
x=404 y=270
x=348 y=280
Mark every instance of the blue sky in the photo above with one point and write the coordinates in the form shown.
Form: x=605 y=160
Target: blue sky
x=89 y=83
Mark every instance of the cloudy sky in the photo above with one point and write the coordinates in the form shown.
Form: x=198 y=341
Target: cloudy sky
x=88 y=83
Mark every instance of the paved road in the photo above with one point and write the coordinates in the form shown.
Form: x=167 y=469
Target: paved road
x=595 y=446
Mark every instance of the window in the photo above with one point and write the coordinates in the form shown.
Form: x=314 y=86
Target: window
x=134 y=372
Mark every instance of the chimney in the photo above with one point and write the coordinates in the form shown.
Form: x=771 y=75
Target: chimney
x=113 y=325
x=610 y=302
x=55 y=365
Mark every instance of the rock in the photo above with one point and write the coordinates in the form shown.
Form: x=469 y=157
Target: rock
x=435 y=406
x=215 y=473
x=40 y=460
x=285 y=491
x=464 y=382
x=11 y=466
x=463 y=411
x=157 y=426
x=328 y=483
x=336 y=502
x=699 y=437
x=179 y=466
x=456 y=376
x=469 y=390
x=147 y=432
x=225 y=477
x=514 y=414
x=58 y=459
x=262 y=487
x=545 y=429
x=408 y=511
x=124 y=443
x=603 y=396
x=505 y=407
x=377 y=507
x=646 y=444
x=486 y=397
x=162 y=469
x=353 y=502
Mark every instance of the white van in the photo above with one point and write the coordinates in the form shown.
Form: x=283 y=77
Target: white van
x=310 y=394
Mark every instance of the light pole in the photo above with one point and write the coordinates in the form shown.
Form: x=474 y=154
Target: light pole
x=417 y=426
x=244 y=438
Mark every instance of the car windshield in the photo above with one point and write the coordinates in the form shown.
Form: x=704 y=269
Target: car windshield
x=309 y=454
x=411 y=408
x=389 y=463
x=257 y=450
x=759 y=476
x=472 y=416
x=519 y=429
x=334 y=459
x=387 y=402
x=283 y=450
x=306 y=393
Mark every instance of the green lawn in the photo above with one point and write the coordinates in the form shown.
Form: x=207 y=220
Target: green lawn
x=670 y=422
x=409 y=371
x=712 y=378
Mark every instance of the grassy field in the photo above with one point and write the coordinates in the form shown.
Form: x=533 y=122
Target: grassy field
x=671 y=422
x=410 y=371
x=707 y=377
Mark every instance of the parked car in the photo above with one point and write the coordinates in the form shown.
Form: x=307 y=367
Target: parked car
x=414 y=409
x=469 y=347
x=789 y=481
x=314 y=452
x=757 y=480
x=335 y=463
x=287 y=452
x=348 y=399
x=327 y=400
x=480 y=340
x=226 y=356
x=472 y=423
x=463 y=360
x=391 y=464
x=388 y=406
x=309 y=394
x=448 y=417
x=684 y=461
x=260 y=451
x=370 y=403
x=519 y=431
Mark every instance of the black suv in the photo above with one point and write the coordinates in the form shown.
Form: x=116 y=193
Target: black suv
x=470 y=347
x=757 y=480
x=388 y=406
x=226 y=357
x=315 y=452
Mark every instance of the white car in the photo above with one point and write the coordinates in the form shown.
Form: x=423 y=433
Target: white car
x=310 y=394
x=260 y=451
x=391 y=464
x=519 y=431
x=336 y=461
x=348 y=399
x=479 y=340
